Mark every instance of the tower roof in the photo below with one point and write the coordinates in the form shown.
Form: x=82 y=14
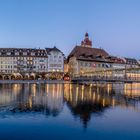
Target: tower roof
x=86 y=42
x=86 y=34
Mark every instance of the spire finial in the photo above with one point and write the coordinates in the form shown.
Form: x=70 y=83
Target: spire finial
x=86 y=35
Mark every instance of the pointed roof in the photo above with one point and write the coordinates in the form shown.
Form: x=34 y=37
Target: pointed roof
x=53 y=49
x=86 y=34
x=86 y=41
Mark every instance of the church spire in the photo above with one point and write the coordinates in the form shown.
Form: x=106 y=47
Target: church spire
x=86 y=42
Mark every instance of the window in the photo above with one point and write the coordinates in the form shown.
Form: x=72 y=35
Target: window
x=89 y=64
x=32 y=53
x=17 y=53
x=8 y=53
x=24 y=53
x=41 y=61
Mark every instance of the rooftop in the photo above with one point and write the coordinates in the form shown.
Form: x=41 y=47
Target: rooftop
x=79 y=51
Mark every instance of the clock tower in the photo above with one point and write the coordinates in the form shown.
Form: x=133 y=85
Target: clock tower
x=86 y=42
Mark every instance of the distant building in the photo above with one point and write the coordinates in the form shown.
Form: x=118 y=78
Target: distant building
x=116 y=64
x=55 y=60
x=19 y=60
x=85 y=58
x=131 y=63
x=50 y=63
x=20 y=63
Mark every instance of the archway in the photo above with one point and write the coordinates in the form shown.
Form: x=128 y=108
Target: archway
x=32 y=76
x=26 y=76
x=39 y=77
x=13 y=77
x=7 y=77
x=53 y=76
x=46 y=76
x=19 y=77
x=1 y=77
x=59 y=76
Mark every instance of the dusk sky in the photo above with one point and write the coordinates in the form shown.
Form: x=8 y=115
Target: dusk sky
x=113 y=25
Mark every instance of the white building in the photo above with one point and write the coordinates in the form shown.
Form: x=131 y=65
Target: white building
x=55 y=60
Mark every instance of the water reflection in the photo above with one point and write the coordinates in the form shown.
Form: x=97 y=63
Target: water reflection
x=96 y=98
x=47 y=99
x=84 y=101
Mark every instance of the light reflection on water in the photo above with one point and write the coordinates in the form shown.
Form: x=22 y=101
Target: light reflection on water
x=74 y=107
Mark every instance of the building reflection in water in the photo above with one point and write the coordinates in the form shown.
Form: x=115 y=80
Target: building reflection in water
x=84 y=101
x=32 y=97
x=94 y=99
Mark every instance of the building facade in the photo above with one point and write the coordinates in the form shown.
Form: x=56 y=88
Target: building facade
x=55 y=63
x=55 y=60
x=22 y=63
x=84 y=58
x=85 y=61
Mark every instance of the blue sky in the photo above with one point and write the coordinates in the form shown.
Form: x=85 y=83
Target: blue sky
x=112 y=24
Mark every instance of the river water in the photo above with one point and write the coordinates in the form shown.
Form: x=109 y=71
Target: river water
x=70 y=111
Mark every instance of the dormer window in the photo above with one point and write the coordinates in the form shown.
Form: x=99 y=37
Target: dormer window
x=32 y=53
